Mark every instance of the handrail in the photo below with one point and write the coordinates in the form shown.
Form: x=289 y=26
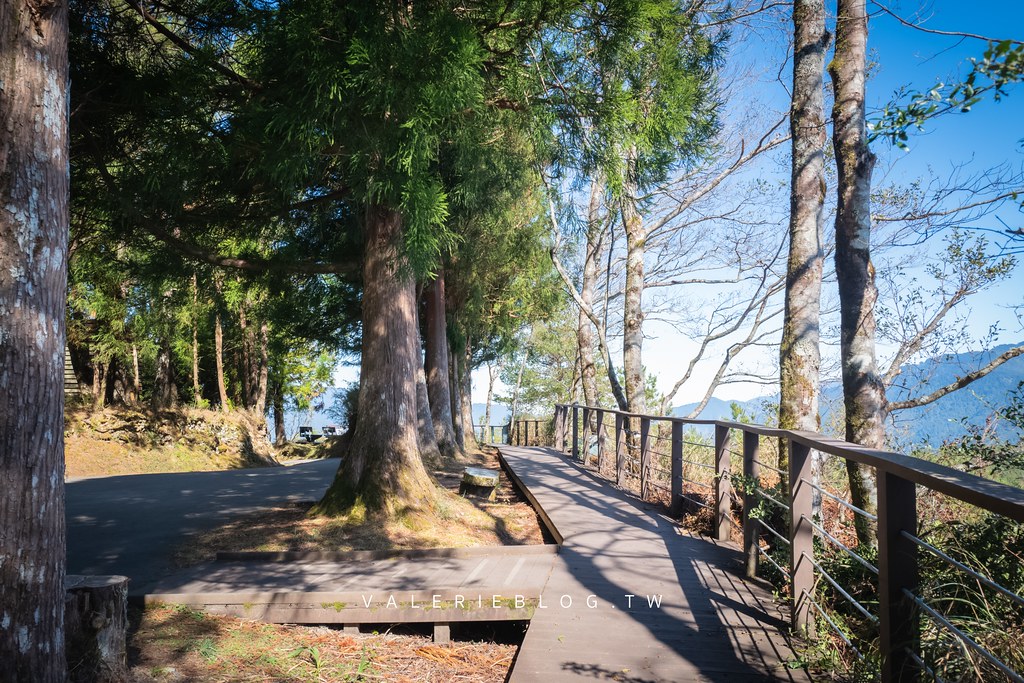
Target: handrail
x=994 y=496
x=898 y=476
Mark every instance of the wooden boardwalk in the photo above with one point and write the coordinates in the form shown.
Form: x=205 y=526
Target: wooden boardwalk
x=599 y=618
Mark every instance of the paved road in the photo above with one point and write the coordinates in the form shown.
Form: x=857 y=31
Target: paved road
x=130 y=524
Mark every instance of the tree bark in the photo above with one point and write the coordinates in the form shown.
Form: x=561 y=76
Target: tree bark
x=584 y=327
x=383 y=470
x=242 y=355
x=492 y=375
x=456 y=387
x=280 y=432
x=96 y=616
x=197 y=392
x=799 y=354
x=863 y=389
x=218 y=341
x=33 y=291
x=99 y=384
x=136 y=375
x=435 y=366
x=110 y=381
x=465 y=373
x=429 y=451
x=632 y=303
x=263 y=372
x=165 y=392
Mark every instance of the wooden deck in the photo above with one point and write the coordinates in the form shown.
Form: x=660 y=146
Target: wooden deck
x=598 y=616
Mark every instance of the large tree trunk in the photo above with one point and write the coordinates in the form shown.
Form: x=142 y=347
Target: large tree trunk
x=165 y=391
x=465 y=375
x=33 y=288
x=383 y=470
x=492 y=375
x=799 y=354
x=262 y=374
x=863 y=390
x=435 y=365
x=429 y=451
x=112 y=381
x=513 y=414
x=136 y=375
x=99 y=383
x=280 y=433
x=218 y=342
x=250 y=365
x=197 y=392
x=632 y=305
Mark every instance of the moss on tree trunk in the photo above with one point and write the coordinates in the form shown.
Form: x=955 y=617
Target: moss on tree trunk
x=383 y=471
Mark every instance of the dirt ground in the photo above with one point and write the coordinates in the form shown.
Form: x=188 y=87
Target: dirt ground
x=174 y=644
x=456 y=522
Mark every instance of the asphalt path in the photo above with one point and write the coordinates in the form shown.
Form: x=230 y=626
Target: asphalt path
x=130 y=525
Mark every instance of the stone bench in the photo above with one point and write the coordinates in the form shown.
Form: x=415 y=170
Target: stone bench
x=478 y=482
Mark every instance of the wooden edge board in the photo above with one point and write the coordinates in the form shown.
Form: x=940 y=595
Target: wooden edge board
x=325 y=615
x=376 y=555
x=365 y=599
x=541 y=512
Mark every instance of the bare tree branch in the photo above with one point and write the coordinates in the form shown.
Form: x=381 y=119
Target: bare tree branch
x=960 y=383
x=955 y=34
x=602 y=341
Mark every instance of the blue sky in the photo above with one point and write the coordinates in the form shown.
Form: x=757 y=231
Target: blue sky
x=991 y=133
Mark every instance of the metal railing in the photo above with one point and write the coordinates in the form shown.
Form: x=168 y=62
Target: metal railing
x=491 y=434
x=649 y=460
x=529 y=432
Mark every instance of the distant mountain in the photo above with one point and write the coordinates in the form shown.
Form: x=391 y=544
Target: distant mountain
x=320 y=416
x=931 y=424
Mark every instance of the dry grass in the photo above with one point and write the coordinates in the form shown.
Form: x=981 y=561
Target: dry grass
x=124 y=440
x=172 y=643
x=455 y=522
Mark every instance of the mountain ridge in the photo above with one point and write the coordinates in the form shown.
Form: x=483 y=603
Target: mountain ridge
x=932 y=424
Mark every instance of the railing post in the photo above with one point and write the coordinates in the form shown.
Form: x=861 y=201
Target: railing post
x=677 y=466
x=801 y=535
x=585 y=454
x=898 y=626
x=558 y=436
x=723 y=487
x=599 y=431
x=620 y=449
x=645 y=454
x=751 y=479
x=575 y=431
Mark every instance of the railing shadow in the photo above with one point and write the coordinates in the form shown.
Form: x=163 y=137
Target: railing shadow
x=721 y=626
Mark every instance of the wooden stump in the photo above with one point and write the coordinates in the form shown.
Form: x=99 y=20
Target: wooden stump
x=478 y=482
x=96 y=626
